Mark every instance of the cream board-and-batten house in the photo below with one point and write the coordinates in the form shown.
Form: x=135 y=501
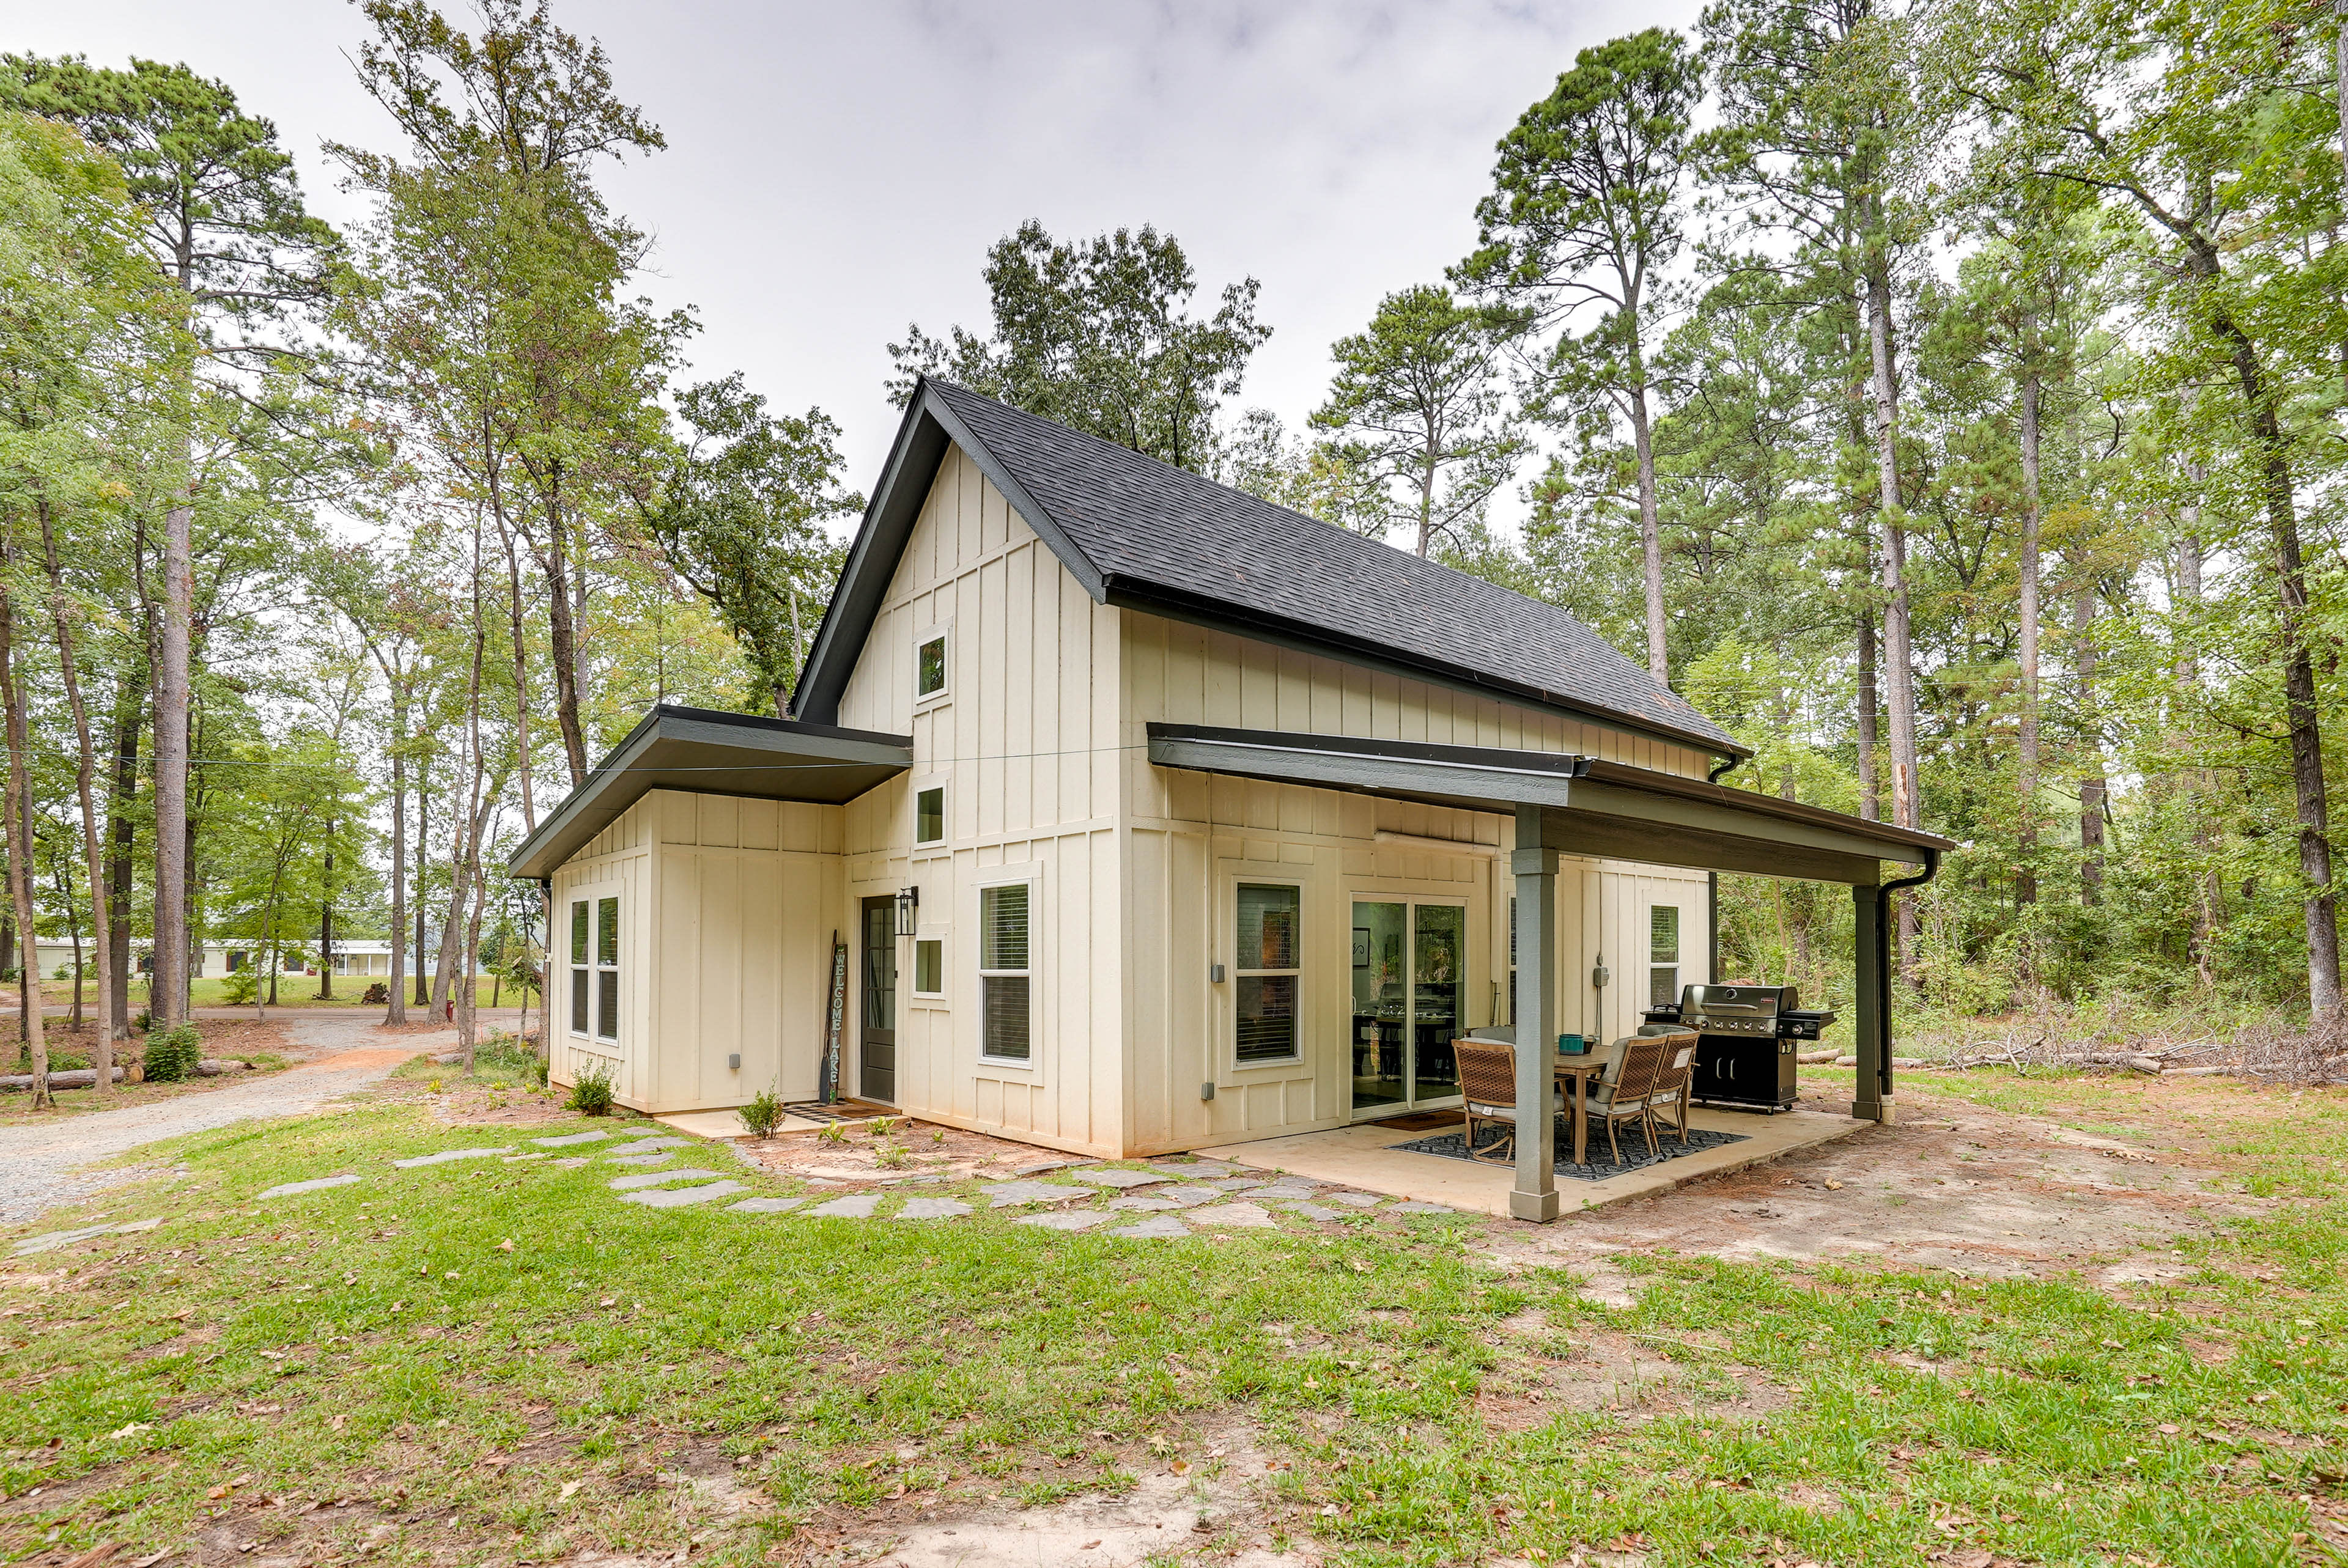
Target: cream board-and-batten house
x=1154 y=816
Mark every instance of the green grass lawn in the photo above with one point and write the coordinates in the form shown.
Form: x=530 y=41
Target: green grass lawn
x=380 y=1352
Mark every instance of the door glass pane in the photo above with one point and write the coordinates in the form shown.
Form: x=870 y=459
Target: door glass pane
x=1440 y=957
x=1381 y=1003
x=880 y=965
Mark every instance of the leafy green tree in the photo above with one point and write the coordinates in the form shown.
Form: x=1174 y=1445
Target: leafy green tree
x=741 y=515
x=1419 y=414
x=1097 y=334
x=226 y=224
x=1585 y=215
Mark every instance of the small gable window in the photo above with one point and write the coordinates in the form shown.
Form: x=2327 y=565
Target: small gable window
x=930 y=667
x=929 y=814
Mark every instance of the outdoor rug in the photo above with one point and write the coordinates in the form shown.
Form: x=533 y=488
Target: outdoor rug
x=1453 y=1145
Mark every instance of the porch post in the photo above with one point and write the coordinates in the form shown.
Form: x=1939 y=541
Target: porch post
x=1872 y=1095
x=1535 y=865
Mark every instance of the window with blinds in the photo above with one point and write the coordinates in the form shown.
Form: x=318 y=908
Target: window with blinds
x=579 y=972
x=1663 y=954
x=1269 y=971
x=1004 y=975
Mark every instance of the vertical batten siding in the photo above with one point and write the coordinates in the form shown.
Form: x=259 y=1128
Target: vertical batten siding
x=1025 y=744
x=1190 y=836
x=618 y=858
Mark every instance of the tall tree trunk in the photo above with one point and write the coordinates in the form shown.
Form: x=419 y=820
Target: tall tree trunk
x=2210 y=904
x=326 y=922
x=2025 y=878
x=85 y=777
x=423 y=853
x=1899 y=694
x=1651 y=537
x=1870 y=800
x=122 y=845
x=20 y=853
x=521 y=676
x=168 y=989
x=396 y=991
x=2299 y=711
x=2092 y=782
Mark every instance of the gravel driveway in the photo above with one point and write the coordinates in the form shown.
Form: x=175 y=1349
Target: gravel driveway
x=38 y=1163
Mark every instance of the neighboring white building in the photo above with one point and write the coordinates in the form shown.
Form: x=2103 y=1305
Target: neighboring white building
x=226 y=955
x=1151 y=817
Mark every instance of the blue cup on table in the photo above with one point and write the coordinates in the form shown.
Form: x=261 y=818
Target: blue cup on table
x=1572 y=1045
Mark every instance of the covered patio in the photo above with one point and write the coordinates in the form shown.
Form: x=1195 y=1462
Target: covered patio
x=1567 y=805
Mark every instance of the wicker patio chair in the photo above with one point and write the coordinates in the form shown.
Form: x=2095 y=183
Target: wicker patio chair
x=1488 y=1091
x=1676 y=1085
x=1626 y=1091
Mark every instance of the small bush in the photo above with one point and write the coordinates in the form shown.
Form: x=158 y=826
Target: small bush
x=763 y=1115
x=240 y=988
x=376 y=995
x=591 y=1095
x=172 y=1054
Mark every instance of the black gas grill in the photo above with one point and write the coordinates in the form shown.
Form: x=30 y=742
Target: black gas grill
x=1747 y=1038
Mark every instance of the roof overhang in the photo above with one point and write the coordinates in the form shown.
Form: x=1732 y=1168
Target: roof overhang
x=706 y=752
x=1586 y=805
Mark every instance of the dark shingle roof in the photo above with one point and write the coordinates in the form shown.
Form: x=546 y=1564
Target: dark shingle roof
x=1153 y=531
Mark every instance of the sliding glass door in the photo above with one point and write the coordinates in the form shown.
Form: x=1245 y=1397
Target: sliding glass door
x=1409 y=963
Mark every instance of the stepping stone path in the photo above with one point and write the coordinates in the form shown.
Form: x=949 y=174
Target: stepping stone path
x=1009 y=1194
x=678 y=1198
x=646 y=1145
x=518 y=1159
x=1356 y=1199
x=1066 y=1220
x=932 y=1209
x=659 y=1158
x=1201 y=1169
x=572 y=1141
x=1145 y=1204
x=855 y=1206
x=55 y=1239
x=1155 y=1225
x=1113 y=1178
x=447 y=1155
x=1250 y=1216
x=1189 y=1197
x=763 y=1205
x=287 y=1189
x=654 y=1178
x=1418 y=1208
x=574 y=1161
x=1316 y=1211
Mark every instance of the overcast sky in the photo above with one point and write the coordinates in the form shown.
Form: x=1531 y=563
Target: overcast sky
x=836 y=170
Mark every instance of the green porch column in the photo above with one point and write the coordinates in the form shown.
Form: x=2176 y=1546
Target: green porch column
x=1872 y=1095
x=1535 y=865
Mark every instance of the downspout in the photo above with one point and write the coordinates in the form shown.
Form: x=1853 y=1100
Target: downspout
x=1712 y=897
x=1881 y=959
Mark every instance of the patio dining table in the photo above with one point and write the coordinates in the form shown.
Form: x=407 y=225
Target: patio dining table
x=1581 y=1070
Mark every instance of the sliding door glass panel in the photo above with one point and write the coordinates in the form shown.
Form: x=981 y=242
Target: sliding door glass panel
x=1439 y=954
x=1381 y=1003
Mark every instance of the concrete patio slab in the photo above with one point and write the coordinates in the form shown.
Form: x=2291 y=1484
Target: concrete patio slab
x=1364 y=1157
x=707 y=1123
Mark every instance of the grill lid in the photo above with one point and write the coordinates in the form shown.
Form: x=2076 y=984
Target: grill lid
x=1739 y=1002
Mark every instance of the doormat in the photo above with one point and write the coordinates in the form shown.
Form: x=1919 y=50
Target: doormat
x=1419 y=1120
x=837 y=1111
x=1453 y=1145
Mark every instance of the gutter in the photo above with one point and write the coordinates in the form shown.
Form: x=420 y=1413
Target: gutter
x=1882 y=962
x=1711 y=895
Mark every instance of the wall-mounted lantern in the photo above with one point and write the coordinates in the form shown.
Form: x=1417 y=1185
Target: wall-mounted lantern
x=909 y=906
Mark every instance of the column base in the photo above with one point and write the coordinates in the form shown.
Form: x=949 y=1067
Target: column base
x=1883 y=1111
x=1537 y=1207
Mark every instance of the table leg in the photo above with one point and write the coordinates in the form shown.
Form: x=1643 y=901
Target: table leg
x=1580 y=1120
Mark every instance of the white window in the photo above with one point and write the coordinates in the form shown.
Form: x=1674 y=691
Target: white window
x=1663 y=954
x=595 y=966
x=929 y=964
x=1005 y=973
x=1268 y=970
x=929 y=814
x=930 y=664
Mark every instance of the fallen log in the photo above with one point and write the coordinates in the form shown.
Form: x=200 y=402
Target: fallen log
x=86 y=1077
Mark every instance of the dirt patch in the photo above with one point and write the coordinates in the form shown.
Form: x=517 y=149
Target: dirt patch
x=1953 y=1186
x=902 y=1150
x=1629 y=1378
